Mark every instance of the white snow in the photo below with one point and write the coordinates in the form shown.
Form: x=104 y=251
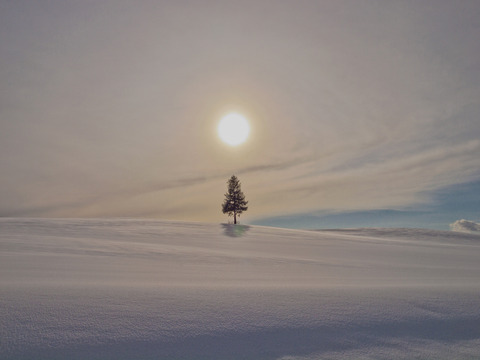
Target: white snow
x=465 y=226
x=132 y=289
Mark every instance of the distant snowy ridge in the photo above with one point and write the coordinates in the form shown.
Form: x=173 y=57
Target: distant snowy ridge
x=408 y=234
x=465 y=226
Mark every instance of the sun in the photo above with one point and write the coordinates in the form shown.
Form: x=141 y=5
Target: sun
x=233 y=129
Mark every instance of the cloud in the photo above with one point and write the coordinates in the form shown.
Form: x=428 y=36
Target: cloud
x=465 y=226
x=128 y=129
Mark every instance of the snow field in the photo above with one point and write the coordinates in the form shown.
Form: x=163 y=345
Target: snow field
x=133 y=289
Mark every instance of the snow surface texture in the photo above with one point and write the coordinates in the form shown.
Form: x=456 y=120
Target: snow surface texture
x=465 y=226
x=130 y=289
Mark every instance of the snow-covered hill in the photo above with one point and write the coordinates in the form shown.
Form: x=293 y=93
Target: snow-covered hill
x=132 y=289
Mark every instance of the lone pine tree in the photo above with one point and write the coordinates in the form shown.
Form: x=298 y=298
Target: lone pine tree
x=234 y=203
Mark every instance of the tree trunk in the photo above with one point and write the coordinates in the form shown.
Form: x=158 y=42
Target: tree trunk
x=235 y=217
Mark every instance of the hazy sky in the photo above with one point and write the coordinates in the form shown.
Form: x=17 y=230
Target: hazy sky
x=110 y=108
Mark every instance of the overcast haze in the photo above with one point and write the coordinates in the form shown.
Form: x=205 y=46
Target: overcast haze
x=109 y=108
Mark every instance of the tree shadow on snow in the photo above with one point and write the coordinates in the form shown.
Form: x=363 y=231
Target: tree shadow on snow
x=232 y=230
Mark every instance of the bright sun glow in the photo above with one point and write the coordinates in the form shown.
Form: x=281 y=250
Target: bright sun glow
x=233 y=129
